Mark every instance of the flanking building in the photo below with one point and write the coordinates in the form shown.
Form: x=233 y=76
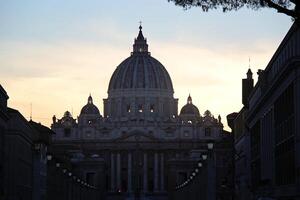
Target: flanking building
x=23 y=147
x=3 y=126
x=271 y=122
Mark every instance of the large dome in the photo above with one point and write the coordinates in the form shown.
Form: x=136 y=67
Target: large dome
x=140 y=70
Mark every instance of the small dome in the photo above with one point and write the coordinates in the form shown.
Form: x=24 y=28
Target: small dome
x=190 y=108
x=90 y=108
x=207 y=113
x=67 y=118
x=67 y=114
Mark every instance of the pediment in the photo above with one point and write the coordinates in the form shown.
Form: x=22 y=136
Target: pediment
x=137 y=137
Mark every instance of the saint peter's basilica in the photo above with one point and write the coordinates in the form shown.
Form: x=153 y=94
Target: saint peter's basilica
x=139 y=143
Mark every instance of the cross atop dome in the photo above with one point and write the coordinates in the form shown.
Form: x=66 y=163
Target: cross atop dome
x=90 y=99
x=189 y=100
x=140 y=43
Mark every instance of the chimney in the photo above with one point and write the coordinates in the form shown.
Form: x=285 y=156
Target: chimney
x=247 y=87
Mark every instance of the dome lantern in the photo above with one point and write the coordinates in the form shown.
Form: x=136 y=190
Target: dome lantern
x=90 y=99
x=140 y=43
x=189 y=100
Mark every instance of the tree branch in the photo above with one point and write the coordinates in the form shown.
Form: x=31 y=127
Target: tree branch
x=281 y=9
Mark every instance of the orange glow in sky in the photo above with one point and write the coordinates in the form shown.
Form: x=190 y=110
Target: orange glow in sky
x=53 y=57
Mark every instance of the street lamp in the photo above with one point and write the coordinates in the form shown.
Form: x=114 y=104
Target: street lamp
x=49 y=157
x=57 y=165
x=210 y=145
x=211 y=173
x=199 y=164
x=204 y=156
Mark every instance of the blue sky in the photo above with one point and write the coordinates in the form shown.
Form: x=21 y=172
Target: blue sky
x=54 y=52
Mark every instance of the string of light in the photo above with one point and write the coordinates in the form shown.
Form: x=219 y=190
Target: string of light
x=196 y=170
x=69 y=173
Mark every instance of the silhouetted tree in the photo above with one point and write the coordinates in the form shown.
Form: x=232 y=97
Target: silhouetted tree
x=288 y=7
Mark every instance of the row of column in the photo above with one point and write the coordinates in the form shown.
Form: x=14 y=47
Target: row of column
x=158 y=172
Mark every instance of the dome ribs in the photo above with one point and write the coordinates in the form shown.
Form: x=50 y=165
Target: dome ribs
x=120 y=69
x=125 y=81
x=141 y=73
x=147 y=82
x=162 y=77
x=154 y=78
x=133 y=75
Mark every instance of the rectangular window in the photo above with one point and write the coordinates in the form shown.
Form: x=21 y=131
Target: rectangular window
x=284 y=137
x=207 y=131
x=67 y=132
x=255 y=154
x=90 y=176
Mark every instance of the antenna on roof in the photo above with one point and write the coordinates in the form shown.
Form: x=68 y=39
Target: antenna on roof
x=249 y=62
x=30 y=111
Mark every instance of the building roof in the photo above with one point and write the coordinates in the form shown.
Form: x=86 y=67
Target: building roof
x=3 y=92
x=45 y=133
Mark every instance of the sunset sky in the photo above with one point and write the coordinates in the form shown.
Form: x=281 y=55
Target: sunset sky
x=53 y=53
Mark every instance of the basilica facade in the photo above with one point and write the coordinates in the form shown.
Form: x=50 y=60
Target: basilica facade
x=140 y=144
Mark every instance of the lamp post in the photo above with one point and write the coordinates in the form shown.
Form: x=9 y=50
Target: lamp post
x=48 y=182
x=211 y=172
x=49 y=157
x=210 y=145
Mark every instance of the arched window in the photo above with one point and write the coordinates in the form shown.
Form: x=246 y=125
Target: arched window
x=207 y=131
x=67 y=132
x=140 y=108
x=186 y=133
x=128 y=109
x=152 y=108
